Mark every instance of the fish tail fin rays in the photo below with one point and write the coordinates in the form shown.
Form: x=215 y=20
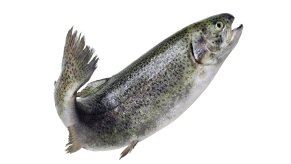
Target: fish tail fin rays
x=79 y=59
x=78 y=65
x=73 y=145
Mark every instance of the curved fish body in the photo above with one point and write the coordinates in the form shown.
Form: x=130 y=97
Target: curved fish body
x=148 y=94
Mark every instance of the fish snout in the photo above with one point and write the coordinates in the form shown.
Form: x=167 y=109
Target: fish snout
x=228 y=17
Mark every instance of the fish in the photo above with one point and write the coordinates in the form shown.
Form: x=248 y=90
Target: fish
x=146 y=96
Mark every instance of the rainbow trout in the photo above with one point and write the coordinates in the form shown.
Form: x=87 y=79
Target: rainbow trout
x=146 y=96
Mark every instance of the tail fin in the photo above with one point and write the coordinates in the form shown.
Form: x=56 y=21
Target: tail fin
x=76 y=60
x=77 y=68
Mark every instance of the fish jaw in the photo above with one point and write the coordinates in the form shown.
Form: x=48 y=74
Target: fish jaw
x=235 y=36
x=236 y=33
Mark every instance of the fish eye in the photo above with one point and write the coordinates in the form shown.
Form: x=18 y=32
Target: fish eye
x=219 y=25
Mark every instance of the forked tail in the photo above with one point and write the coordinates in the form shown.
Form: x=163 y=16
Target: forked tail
x=77 y=68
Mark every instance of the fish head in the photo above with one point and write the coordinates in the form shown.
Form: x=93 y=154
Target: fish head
x=213 y=38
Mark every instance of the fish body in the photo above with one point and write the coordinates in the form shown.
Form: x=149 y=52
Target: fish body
x=148 y=94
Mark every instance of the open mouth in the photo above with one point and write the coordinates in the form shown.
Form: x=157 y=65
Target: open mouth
x=233 y=40
x=235 y=34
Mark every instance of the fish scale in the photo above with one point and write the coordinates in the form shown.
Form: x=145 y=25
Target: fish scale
x=146 y=96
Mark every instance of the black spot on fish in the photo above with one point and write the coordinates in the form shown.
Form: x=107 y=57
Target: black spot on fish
x=204 y=30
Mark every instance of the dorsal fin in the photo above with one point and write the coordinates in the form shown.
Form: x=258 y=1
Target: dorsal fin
x=73 y=145
x=91 y=88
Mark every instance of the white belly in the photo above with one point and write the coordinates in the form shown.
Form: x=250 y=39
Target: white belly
x=202 y=79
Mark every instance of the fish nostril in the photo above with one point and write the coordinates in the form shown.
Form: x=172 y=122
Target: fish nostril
x=229 y=17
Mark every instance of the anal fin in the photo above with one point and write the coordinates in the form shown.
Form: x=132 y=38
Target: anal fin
x=73 y=145
x=128 y=149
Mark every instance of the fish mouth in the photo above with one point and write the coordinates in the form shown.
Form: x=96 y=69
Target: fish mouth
x=231 y=42
x=235 y=35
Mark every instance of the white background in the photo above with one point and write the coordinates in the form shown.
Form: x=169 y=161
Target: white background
x=244 y=116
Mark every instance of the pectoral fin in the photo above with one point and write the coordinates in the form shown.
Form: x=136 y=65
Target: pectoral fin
x=128 y=149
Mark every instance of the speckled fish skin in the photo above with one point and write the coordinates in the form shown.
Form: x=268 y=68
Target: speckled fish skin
x=155 y=89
